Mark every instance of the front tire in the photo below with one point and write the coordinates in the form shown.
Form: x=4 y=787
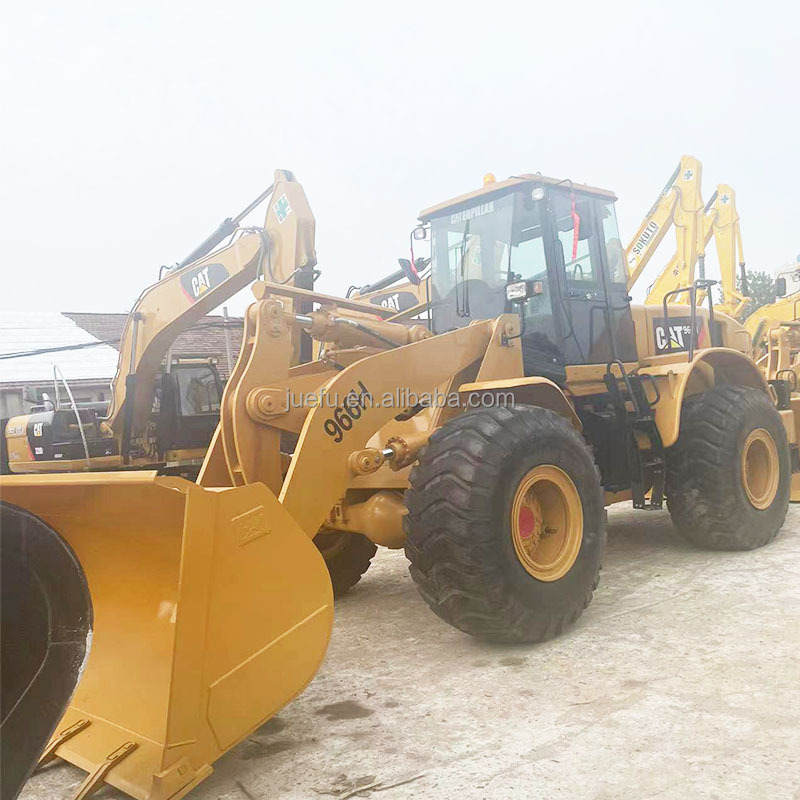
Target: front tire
x=506 y=526
x=347 y=556
x=729 y=474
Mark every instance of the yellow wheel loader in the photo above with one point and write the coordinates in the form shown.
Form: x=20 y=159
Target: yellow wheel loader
x=485 y=438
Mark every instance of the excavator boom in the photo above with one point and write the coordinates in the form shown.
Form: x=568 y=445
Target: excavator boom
x=680 y=204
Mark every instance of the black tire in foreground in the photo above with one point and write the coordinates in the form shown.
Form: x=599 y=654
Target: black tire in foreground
x=347 y=556
x=729 y=474
x=506 y=525
x=46 y=620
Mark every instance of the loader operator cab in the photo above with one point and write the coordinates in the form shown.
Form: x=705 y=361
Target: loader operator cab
x=559 y=238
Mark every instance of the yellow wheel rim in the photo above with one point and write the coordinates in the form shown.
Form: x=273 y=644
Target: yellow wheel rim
x=760 y=468
x=547 y=522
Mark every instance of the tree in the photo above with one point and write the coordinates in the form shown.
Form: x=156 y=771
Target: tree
x=760 y=288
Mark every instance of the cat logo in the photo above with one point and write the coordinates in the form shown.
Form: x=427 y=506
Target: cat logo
x=397 y=301
x=37 y=428
x=198 y=282
x=393 y=302
x=677 y=335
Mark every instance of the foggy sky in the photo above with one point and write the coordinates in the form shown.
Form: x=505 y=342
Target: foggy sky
x=133 y=128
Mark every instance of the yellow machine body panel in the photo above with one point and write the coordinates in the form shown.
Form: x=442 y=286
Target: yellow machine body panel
x=212 y=610
x=770 y=316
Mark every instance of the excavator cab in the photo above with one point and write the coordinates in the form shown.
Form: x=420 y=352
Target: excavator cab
x=188 y=399
x=561 y=240
x=185 y=414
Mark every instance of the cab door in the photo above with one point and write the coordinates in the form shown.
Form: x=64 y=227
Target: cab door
x=593 y=312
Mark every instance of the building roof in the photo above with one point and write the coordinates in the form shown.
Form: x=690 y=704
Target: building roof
x=205 y=338
x=25 y=331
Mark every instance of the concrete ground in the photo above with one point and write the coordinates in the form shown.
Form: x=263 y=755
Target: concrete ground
x=681 y=680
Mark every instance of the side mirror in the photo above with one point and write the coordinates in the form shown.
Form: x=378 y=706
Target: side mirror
x=410 y=270
x=420 y=233
x=780 y=287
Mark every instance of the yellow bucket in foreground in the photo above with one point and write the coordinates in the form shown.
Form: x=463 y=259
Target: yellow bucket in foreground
x=212 y=610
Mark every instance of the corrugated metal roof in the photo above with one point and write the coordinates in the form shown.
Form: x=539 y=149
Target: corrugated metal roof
x=35 y=330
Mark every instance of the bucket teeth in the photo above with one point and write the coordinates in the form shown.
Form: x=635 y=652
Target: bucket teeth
x=95 y=779
x=50 y=751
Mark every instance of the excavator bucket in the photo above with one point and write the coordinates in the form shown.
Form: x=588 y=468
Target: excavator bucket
x=212 y=610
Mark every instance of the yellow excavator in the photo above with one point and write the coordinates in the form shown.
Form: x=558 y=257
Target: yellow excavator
x=484 y=437
x=164 y=418
x=680 y=204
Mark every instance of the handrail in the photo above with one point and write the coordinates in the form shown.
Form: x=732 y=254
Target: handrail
x=56 y=373
x=626 y=380
x=705 y=285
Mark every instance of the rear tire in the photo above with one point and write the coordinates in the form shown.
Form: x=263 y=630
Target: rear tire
x=475 y=563
x=729 y=474
x=347 y=556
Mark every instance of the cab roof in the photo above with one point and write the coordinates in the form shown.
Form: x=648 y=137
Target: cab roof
x=495 y=188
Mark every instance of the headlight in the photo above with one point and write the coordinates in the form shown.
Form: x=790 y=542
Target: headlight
x=516 y=292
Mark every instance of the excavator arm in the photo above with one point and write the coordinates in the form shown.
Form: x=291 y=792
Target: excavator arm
x=282 y=250
x=680 y=204
x=720 y=221
x=727 y=234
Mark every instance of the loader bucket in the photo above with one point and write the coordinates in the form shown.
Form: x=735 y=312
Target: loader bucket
x=212 y=610
x=45 y=627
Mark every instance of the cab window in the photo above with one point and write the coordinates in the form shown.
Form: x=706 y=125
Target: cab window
x=615 y=253
x=529 y=261
x=199 y=391
x=575 y=229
